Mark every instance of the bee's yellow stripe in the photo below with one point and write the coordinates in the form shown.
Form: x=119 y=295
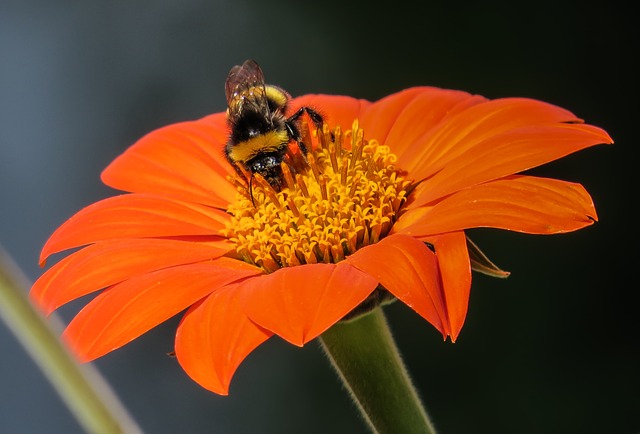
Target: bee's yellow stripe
x=269 y=142
x=277 y=95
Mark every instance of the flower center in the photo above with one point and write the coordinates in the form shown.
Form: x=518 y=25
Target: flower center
x=346 y=195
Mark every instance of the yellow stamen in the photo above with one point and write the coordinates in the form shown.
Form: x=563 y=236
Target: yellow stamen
x=302 y=186
x=346 y=195
x=286 y=174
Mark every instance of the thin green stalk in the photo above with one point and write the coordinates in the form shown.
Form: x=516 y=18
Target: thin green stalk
x=90 y=400
x=366 y=357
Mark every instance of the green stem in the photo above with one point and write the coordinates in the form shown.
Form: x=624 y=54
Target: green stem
x=365 y=356
x=85 y=393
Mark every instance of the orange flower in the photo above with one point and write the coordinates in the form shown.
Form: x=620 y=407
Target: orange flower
x=380 y=208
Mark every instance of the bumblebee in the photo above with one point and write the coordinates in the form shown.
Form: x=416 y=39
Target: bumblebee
x=261 y=132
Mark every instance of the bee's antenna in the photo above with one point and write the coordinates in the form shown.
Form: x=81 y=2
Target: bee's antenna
x=251 y=190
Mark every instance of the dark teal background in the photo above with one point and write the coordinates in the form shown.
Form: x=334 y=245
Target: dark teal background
x=552 y=349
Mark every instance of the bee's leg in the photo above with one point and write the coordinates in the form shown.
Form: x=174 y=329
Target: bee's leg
x=234 y=164
x=295 y=135
x=315 y=117
x=303 y=148
x=238 y=170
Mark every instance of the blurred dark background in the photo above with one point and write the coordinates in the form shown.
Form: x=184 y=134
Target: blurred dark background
x=552 y=349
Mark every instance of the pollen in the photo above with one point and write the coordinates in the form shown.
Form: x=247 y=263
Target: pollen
x=346 y=193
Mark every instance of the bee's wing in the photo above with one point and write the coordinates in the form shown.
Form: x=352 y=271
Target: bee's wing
x=242 y=78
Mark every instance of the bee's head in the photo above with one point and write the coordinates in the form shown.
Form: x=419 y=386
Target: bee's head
x=269 y=167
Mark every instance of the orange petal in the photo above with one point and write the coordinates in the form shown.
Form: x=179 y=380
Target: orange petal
x=183 y=160
x=134 y=216
x=455 y=269
x=506 y=154
x=518 y=203
x=214 y=337
x=408 y=269
x=379 y=118
x=299 y=303
x=127 y=310
x=109 y=262
x=336 y=110
x=411 y=116
x=474 y=123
